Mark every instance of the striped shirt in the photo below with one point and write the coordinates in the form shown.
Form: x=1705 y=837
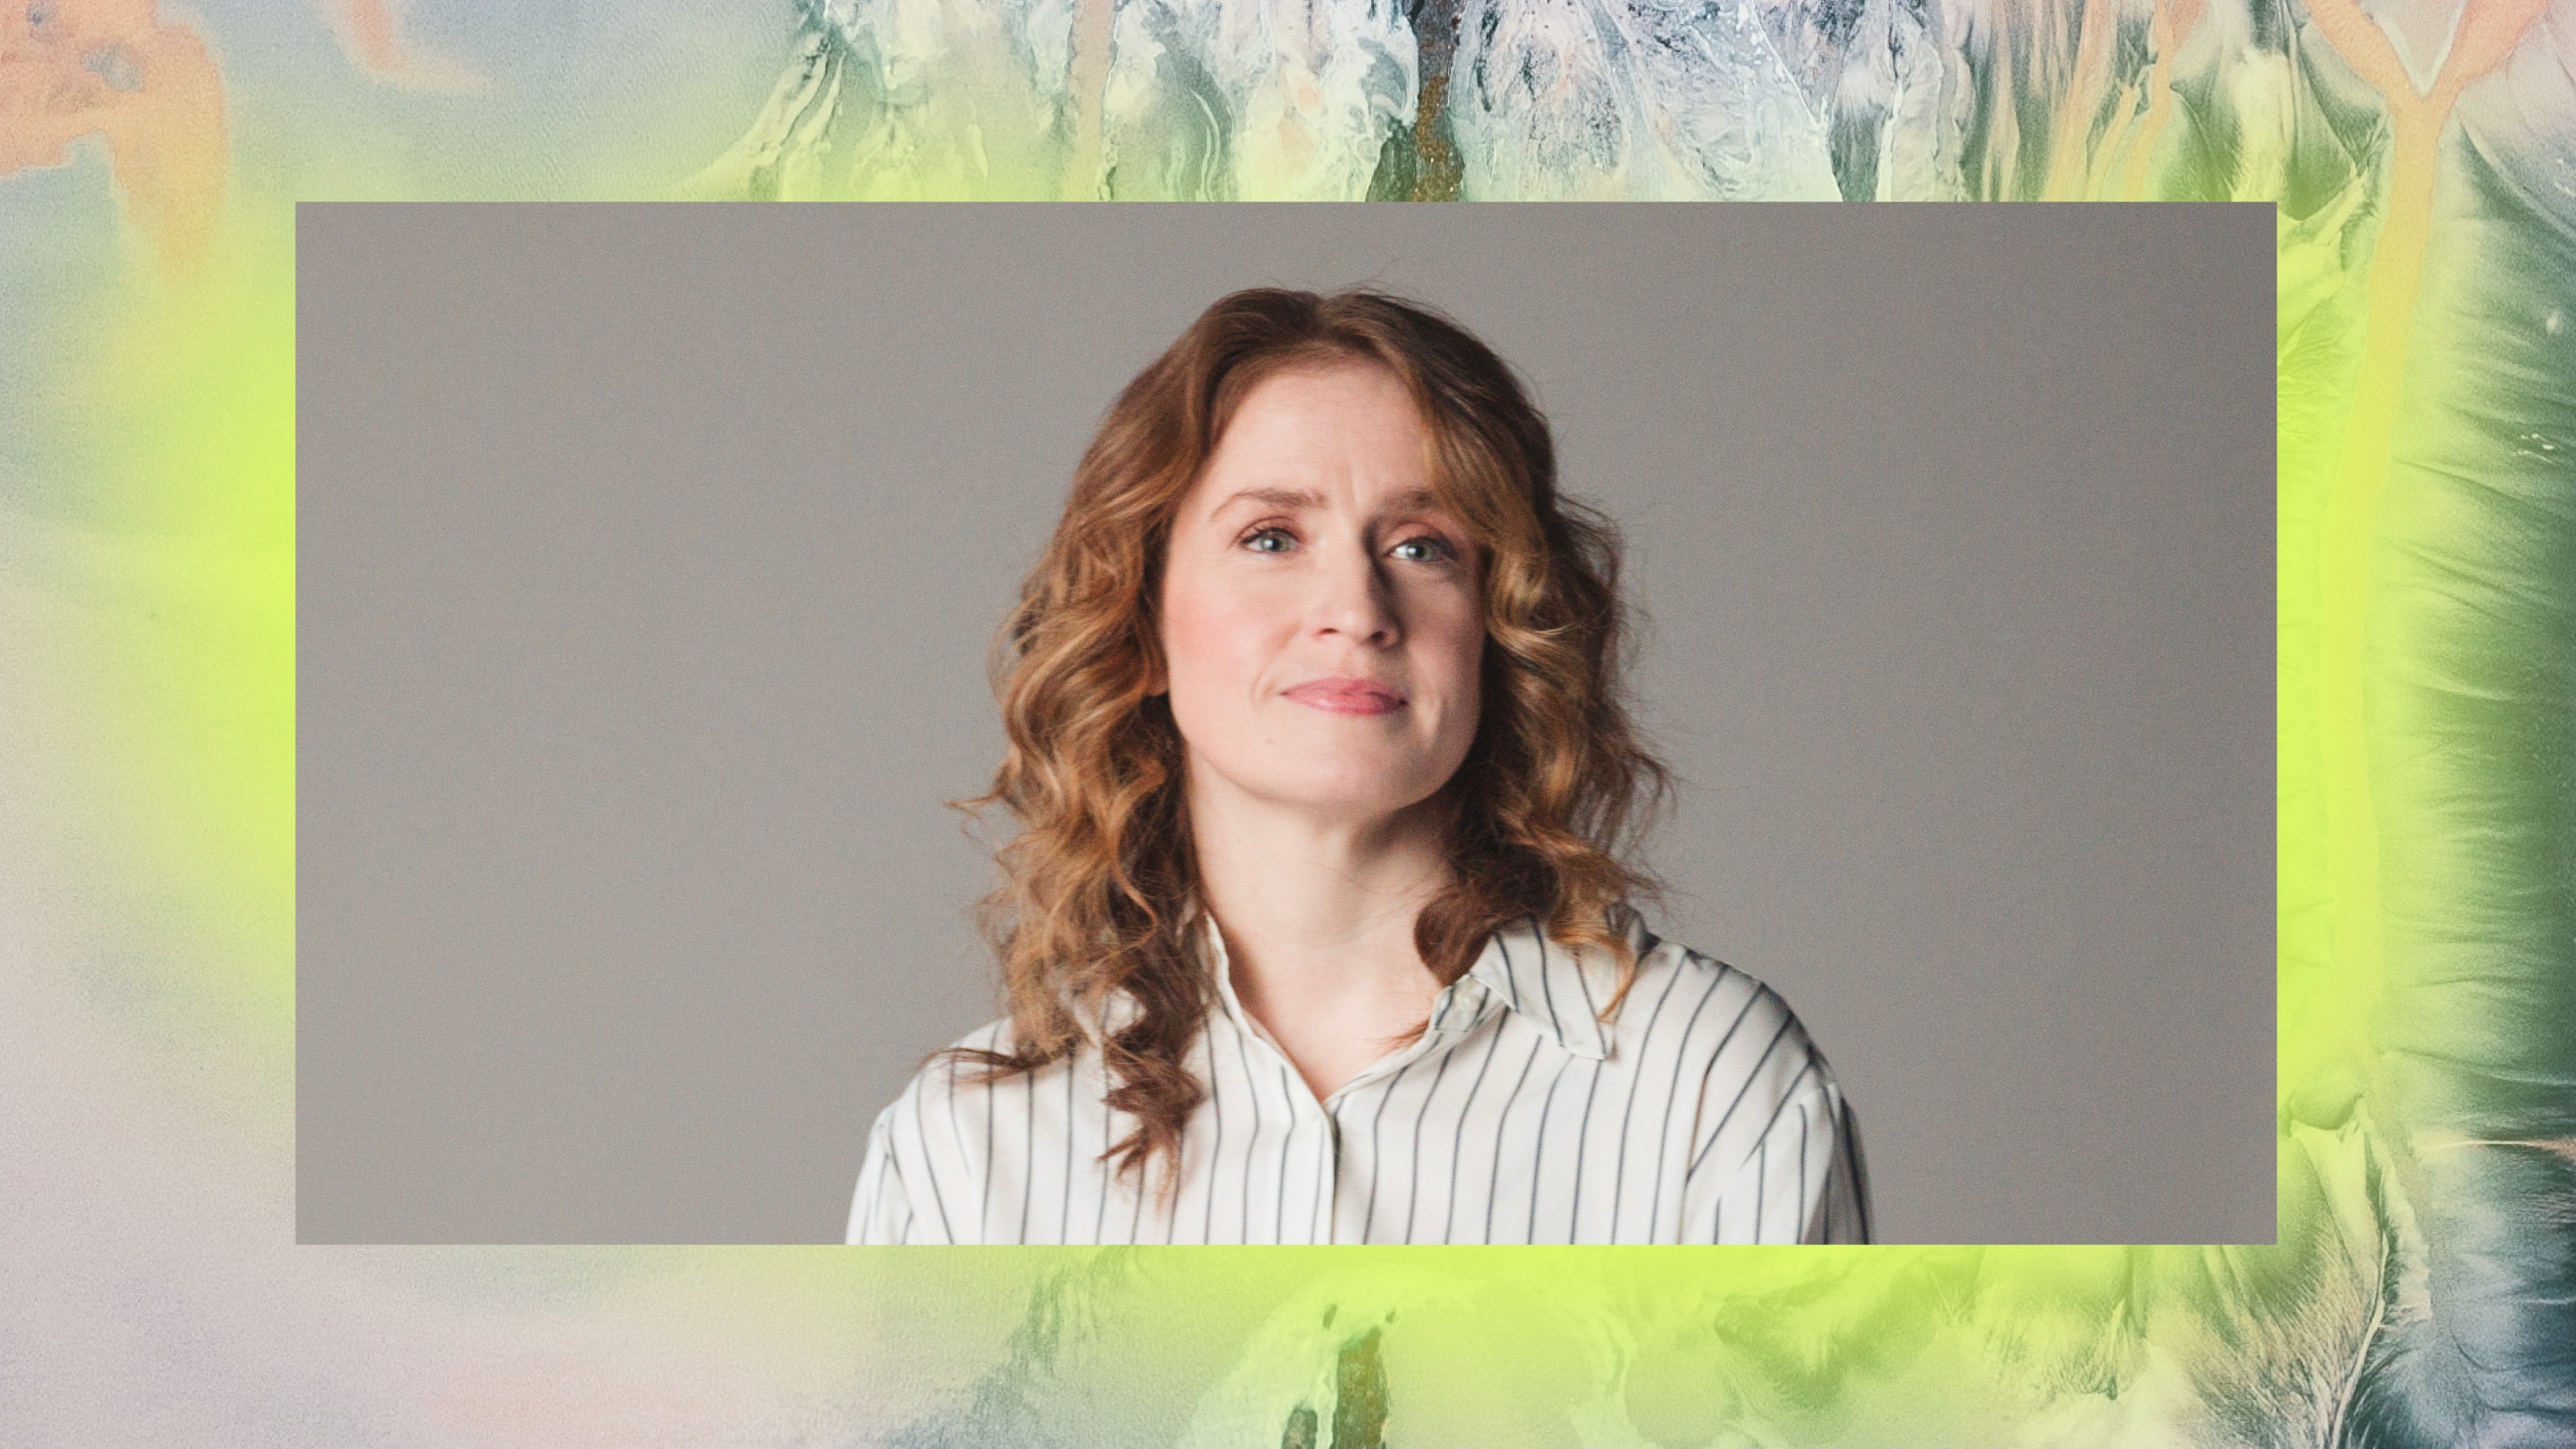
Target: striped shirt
x=1701 y=1113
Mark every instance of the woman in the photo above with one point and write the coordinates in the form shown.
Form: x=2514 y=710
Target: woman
x=1313 y=931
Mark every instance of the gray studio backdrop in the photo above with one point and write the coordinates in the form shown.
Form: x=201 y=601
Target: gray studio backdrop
x=648 y=558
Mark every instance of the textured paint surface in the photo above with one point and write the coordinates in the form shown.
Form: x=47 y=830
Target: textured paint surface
x=2421 y=1290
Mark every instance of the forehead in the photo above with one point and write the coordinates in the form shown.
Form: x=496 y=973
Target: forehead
x=1356 y=383
x=1351 y=421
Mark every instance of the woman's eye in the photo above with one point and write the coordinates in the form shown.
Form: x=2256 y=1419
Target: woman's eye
x=1437 y=549
x=1258 y=537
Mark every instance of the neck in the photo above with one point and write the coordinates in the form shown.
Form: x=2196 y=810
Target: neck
x=1316 y=910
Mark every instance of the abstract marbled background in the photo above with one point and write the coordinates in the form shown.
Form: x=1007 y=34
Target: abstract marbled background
x=2423 y=157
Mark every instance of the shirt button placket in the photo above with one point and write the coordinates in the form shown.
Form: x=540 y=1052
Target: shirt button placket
x=1332 y=1174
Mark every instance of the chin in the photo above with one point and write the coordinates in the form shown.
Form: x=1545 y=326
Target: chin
x=1374 y=799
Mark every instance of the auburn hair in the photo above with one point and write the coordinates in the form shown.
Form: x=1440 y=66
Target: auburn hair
x=1099 y=884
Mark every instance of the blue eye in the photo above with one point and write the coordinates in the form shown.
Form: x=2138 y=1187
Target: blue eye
x=1253 y=539
x=1441 y=547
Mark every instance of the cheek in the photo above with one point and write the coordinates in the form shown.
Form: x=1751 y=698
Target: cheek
x=1209 y=638
x=1461 y=651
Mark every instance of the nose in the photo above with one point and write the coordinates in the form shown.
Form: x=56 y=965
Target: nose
x=1355 y=597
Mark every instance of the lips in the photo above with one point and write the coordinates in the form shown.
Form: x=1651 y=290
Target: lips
x=1341 y=695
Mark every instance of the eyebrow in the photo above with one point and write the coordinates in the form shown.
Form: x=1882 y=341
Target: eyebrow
x=1299 y=498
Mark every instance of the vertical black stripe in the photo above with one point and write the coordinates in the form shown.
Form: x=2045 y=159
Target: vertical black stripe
x=930 y=1164
x=1859 y=1174
x=1248 y=1099
x=1248 y=1103
x=1245 y=1038
x=1833 y=1217
x=984 y=1209
x=956 y=1129
x=1287 y=1156
x=1216 y=1101
x=1619 y=1172
x=1582 y=1140
x=1377 y=1159
x=1807 y=1218
x=1458 y=1140
x=1847 y=1220
x=1538 y=1146
x=1761 y=1175
x=1098 y=1167
x=882 y=1164
x=1333 y=1181
x=1072 y=1129
x=1413 y=1184
x=1672 y=1096
x=1028 y=1159
x=1502 y=1123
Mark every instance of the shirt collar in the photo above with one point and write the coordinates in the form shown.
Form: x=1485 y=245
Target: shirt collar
x=1560 y=989
x=1211 y=942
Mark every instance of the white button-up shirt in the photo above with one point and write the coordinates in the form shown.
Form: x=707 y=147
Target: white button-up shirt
x=1701 y=1113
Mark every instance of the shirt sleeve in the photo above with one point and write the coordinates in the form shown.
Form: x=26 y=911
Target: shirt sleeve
x=880 y=1212
x=1792 y=1174
x=924 y=1174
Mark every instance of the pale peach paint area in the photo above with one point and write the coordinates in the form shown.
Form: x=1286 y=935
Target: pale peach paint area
x=371 y=34
x=111 y=68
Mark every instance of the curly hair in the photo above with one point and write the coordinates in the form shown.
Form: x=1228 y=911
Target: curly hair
x=1100 y=882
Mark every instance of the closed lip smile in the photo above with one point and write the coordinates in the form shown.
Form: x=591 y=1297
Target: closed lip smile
x=1341 y=694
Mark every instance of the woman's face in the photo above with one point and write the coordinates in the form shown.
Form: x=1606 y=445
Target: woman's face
x=1321 y=614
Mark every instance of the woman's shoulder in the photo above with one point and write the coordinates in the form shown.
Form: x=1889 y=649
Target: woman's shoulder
x=969 y=1070
x=1739 y=1060
x=1689 y=1004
